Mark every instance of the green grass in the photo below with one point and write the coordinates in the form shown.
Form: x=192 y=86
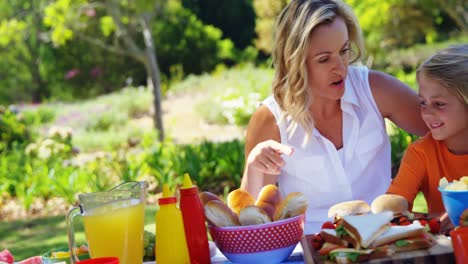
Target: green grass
x=419 y=204
x=27 y=238
x=101 y=123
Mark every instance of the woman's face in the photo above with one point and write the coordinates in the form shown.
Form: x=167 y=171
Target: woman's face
x=444 y=114
x=328 y=59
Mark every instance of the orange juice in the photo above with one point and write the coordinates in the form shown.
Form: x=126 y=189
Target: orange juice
x=116 y=230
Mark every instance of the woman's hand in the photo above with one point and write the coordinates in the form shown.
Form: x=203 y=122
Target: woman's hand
x=265 y=157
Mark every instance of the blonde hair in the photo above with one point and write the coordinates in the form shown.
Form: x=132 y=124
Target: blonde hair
x=292 y=33
x=449 y=67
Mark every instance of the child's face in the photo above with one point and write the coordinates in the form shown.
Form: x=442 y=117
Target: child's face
x=444 y=114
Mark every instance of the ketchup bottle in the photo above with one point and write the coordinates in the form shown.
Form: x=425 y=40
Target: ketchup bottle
x=194 y=222
x=171 y=245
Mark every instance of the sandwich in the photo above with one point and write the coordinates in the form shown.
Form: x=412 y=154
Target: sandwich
x=401 y=216
x=362 y=230
x=370 y=236
x=355 y=207
x=423 y=241
x=330 y=236
x=405 y=238
x=394 y=203
x=352 y=255
x=350 y=241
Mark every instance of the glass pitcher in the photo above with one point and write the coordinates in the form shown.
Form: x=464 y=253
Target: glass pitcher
x=113 y=222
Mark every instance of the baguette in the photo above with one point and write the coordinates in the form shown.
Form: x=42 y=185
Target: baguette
x=342 y=209
x=269 y=199
x=207 y=196
x=390 y=202
x=253 y=215
x=219 y=214
x=238 y=199
x=294 y=204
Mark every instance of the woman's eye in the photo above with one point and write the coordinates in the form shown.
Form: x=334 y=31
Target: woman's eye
x=422 y=103
x=345 y=51
x=322 y=60
x=438 y=104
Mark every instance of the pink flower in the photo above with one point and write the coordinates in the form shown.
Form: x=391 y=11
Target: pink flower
x=90 y=12
x=95 y=72
x=72 y=74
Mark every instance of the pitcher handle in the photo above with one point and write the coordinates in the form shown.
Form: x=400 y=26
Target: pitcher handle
x=130 y=185
x=77 y=210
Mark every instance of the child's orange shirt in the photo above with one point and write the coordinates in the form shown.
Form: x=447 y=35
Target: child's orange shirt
x=425 y=162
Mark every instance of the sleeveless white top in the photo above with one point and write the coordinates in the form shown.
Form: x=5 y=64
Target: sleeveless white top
x=361 y=170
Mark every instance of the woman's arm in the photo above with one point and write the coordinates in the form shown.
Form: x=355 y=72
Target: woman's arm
x=263 y=151
x=397 y=102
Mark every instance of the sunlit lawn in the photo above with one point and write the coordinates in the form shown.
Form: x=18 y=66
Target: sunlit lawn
x=27 y=238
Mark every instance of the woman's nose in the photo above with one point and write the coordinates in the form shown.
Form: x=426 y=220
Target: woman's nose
x=340 y=66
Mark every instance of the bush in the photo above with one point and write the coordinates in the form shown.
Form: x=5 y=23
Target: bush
x=40 y=116
x=235 y=94
x=399 y=140
x=182 y=39
x=13 y=129
x=234 y=13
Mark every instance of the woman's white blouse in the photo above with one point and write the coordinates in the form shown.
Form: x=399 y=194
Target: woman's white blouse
x=360 y=170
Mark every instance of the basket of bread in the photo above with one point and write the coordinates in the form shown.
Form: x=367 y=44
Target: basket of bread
x=262 y=230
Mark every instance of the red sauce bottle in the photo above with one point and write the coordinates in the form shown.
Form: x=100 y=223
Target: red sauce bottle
x=193 y=215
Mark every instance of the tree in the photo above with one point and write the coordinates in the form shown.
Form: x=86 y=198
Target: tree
x=21 y=35
x=457 y=10
x=125 y=30
x=227 y=15
x=400 y=24
x=266 y=12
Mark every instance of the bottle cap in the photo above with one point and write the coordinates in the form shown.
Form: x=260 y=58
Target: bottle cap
x=187 y=182
x=167 y=198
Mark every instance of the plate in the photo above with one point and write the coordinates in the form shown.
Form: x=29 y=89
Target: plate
x=441 y=252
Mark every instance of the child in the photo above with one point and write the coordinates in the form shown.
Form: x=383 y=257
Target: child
x=443 y=152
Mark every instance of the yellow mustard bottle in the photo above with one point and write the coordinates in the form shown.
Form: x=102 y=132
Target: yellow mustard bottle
x=171 y=245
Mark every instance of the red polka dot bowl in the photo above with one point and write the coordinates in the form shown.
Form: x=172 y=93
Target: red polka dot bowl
x=260 y=244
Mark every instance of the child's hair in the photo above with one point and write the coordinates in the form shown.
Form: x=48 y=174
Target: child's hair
x=449 y=67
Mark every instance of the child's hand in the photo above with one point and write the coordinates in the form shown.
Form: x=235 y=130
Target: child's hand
x=445 y=224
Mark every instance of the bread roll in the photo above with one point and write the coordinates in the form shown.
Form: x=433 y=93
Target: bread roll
x=207 y=196
x=219 y=214
x=268 y=199
x=348 y=208
x=239 y=199
x=390 y=202
x=294 y=204
x=253 y=215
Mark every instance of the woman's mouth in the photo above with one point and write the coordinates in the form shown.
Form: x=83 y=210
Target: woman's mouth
x=338 y=84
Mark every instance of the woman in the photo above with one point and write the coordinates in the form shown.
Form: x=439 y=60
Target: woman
x=322 y=132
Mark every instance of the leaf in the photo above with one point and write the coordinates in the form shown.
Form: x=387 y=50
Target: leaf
x=107 y=25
